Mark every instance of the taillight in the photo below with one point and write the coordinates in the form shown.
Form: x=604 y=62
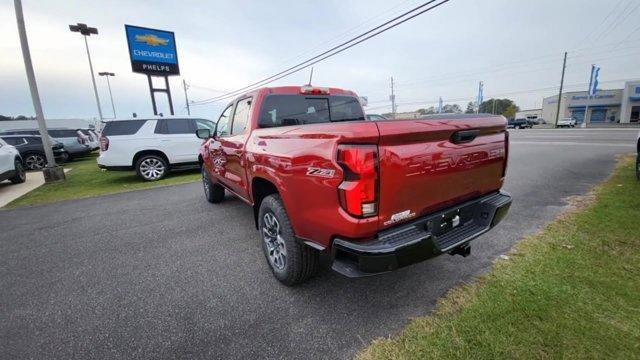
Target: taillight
x=104 y=143
x=358 y=192
x=310 y=90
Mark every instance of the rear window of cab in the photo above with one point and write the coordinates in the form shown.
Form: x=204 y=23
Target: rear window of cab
x=284 y=110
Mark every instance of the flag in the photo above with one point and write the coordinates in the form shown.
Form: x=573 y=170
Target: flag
x=593 y=81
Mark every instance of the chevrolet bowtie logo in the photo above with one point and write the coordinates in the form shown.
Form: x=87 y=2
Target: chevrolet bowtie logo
x=152 y=40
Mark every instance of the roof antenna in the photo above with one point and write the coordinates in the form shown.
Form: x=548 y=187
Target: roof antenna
x=310 y=76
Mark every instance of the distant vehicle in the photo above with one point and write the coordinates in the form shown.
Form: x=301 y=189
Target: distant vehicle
x=11 y=167
x=32 y=151
x=91 y=138
x=75 y=143
x=375 y=117
x=567 y=122
x=151 y=146
x=518 y=124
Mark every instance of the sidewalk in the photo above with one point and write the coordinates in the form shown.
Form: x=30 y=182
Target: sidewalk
x=10 y=192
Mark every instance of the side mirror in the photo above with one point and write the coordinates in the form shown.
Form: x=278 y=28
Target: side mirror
x=203 y=133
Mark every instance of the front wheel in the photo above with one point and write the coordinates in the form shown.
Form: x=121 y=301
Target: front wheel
x=35 y=161
x=151 y=167
x=214 y=193
x=20 y=175
x=290 y=261
x=638 y=167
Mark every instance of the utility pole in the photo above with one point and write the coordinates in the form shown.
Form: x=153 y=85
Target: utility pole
x=393 y=99
x=51 y=172
x=186 y=97
x=108 y=74
x=564 y=67
x=88 y=31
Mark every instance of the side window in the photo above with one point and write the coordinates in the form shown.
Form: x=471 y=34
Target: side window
x=241 y=116
x=174 y=126
x=125 y=127
x=223 y=122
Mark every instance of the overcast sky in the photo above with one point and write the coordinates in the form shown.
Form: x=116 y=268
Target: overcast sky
x=514 y=46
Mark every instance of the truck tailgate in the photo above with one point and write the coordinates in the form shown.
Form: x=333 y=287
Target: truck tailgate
x=427 y=165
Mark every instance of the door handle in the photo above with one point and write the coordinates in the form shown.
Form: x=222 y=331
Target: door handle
x=165 y=140
x=464 y=136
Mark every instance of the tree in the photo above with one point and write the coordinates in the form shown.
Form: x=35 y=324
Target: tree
x=471 y=108
x=501 y=107
x=451 y=109
x=510 y=112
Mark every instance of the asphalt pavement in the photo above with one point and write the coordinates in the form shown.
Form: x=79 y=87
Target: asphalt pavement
x=164 y=274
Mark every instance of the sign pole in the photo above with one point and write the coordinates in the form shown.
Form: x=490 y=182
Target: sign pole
x=153 y=97
x=166 y=84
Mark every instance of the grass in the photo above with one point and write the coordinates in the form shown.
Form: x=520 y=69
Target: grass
x=571 y=291
x=85 y=179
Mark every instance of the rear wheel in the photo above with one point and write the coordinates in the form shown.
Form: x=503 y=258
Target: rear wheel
x=20 y=175
x=151 y=167
x=34 y=161
x=290 y=261
x=214 y=193
x=638 y=166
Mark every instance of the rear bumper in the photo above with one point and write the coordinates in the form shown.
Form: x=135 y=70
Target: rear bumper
x=446 y=231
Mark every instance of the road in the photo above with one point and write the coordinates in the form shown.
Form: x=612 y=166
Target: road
x=163 y=274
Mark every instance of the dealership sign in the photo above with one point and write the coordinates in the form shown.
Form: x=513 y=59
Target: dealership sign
x=152 y=52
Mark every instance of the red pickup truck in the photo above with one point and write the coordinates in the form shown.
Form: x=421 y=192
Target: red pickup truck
x=373 y=195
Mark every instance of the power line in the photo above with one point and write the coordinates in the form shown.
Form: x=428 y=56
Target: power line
x=335 y=50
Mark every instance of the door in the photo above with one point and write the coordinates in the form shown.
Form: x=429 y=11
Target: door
x=598 y=115
x=233 y=149
x=6 y=158
x=214 y=158
x=176 y=140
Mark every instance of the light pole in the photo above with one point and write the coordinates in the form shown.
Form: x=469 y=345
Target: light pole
x=87 y=31
x=107 y=74
x=51 y=172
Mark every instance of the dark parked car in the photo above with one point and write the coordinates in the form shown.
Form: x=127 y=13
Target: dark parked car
x=519 y=124
x=32 y=151
x=75 y=142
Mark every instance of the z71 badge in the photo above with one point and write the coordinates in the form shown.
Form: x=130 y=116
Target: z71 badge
x=327 y=173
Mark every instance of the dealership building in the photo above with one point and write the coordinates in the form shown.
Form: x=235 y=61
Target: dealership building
x=607 y=106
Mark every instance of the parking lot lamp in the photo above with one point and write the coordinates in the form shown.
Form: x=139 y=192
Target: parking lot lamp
x=107 y=74
x=88 y=31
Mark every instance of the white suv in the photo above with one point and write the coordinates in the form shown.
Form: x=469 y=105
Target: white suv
x=11 y=164
x=151 y=146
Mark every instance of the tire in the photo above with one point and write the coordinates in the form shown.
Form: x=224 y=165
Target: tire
x=638 y=166
x=214 y=193
x=151 y=167
x=20 y=175
x=291 y=261
x=34 y=161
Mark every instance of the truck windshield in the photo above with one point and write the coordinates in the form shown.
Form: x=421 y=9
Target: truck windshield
x=283 y=110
